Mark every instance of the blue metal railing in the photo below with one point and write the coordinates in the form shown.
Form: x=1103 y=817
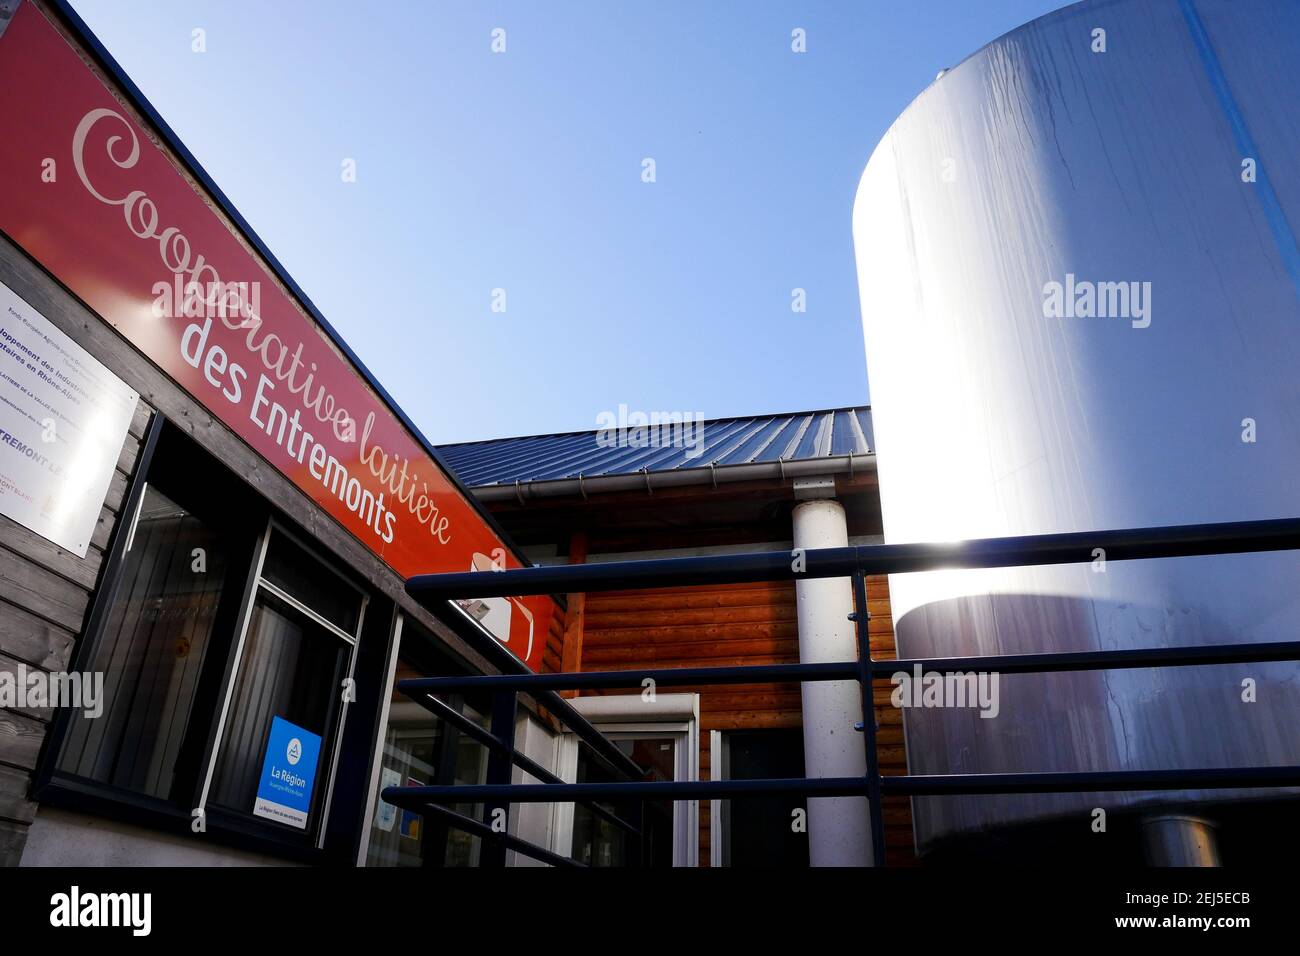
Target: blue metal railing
x=855 y=563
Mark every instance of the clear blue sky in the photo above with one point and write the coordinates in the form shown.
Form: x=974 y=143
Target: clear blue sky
x=522 y=171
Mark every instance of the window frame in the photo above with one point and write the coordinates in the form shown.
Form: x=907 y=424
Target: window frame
x=629 y=717
x=720 y=835
x=56 y=788
x=450 y=739
x=381 y=734
x=314 y=834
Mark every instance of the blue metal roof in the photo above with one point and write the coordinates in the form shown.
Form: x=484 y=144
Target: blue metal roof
x=790 y=436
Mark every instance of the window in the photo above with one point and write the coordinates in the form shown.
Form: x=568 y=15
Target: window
x=418 y=749
x=757 y=831
x=661 y=738
x=162 y=638
x=599 y=842
x=295 y=657
x=225 y=645
x=152 y=651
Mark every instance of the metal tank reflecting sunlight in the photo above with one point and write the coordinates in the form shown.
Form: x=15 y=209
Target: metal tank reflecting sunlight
x=1081 y=304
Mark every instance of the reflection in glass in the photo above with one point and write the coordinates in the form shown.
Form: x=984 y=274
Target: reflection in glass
x=420 y=750
x=151 y=652
x=293 y=668
x=599 y=842
x=291 y=569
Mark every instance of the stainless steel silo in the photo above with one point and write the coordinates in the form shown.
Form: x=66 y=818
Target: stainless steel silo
x=1113 y=142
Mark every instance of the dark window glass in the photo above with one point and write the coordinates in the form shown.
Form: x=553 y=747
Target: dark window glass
x=757 y=831
x=290 y=568
x=418 y=750
x=155 y=639
x=292 y=668
x=598 y=841
x=163 y=633
x=468 y=765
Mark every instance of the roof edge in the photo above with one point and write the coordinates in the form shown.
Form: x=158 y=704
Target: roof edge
x=707 y=421
x=650 y=481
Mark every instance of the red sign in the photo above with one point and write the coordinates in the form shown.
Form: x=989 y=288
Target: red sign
x=86 y=192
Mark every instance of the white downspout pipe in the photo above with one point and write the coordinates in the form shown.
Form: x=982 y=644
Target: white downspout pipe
x=839 y=831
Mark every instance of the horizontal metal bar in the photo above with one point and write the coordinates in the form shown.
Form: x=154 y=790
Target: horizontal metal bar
x=444 y=711
x=1091 y=781
x=911 y=785
x=411 y=797
x=662 y=677
x=1099 y=660
x=481 y=829
x=1022 y=551
x=847 y=670
x=429 y=589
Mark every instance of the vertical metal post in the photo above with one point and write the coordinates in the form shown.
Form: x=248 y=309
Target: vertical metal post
x=861 y=622
x=500 y=769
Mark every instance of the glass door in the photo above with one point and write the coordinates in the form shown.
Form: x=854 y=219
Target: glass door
x=418 y=749
x=597 y=841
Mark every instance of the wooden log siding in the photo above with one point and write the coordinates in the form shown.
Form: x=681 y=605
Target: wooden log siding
x=551 y=659
x=741 y=624
x=44 y=595
x=571 y=634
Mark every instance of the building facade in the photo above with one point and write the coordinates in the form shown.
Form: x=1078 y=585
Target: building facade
x=691 y=488
x=208 y=508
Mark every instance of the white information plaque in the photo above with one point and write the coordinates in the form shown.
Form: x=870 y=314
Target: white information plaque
x=63 y=419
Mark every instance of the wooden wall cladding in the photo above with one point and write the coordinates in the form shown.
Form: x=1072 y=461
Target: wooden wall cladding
x=732 y=625
x=45 y=592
